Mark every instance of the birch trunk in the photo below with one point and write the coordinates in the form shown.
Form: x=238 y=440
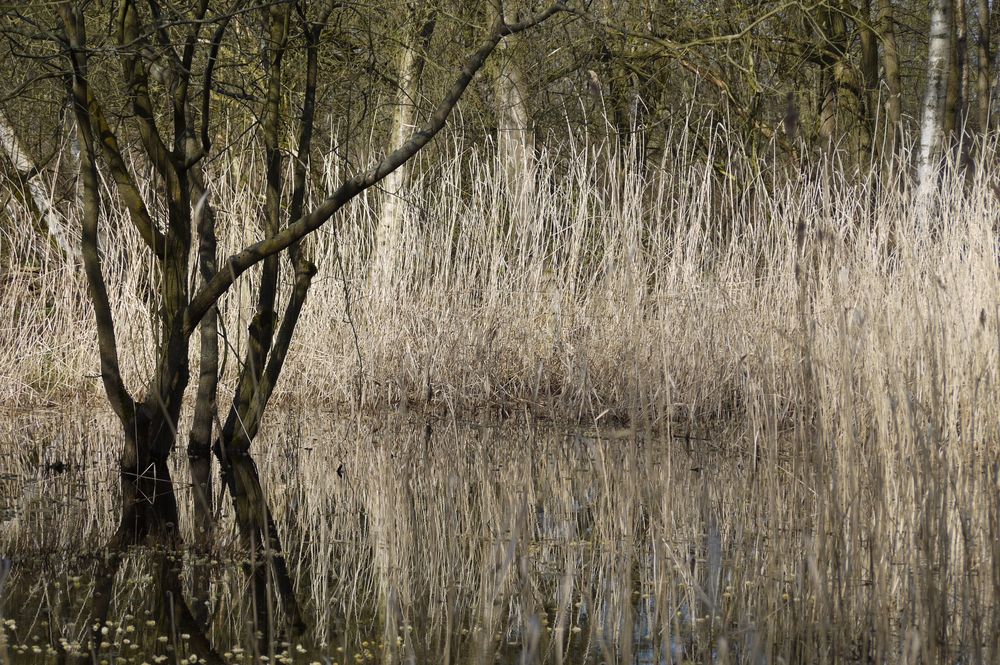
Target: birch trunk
x=932 y=111
x=49 y=217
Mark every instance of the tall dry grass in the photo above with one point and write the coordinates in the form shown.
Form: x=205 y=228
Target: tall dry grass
x=605 y=288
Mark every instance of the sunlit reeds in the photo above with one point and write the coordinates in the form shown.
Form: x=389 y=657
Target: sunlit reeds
x=604 y=288
x=786 y=384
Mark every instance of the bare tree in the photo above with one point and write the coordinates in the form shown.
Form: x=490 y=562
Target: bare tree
x=411 y=61
x=956 y=97
x=893 y=79
x=515 y=138
x=165 y=51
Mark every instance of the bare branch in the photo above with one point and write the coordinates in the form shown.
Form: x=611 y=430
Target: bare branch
x=127 y=190
x=121 y=401
x=239 y=263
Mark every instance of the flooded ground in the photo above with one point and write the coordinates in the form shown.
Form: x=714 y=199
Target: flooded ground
x=451 y=542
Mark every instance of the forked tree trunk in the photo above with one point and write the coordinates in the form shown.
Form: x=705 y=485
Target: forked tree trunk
x=149 y=509
x=933 y=106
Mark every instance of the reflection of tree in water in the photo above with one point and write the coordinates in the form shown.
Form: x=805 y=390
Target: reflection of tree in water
x=266 y=567
x=150 y=518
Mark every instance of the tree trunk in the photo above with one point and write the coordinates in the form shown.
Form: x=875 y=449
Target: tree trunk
x=832 y=38
x=962 y=54
x=199 y=448
x=932 y=110
x=983 y=75
x=893 y=80
x=956 y=96
x=149 y=508
x=869 y=77
x=38 y=198
x=404 y=121
x=515 y=137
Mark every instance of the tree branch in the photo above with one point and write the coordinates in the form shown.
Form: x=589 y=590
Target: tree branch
x=262 y=325
x=239 y=263
x=127 y=190
x=122 y=403
x=138 y=85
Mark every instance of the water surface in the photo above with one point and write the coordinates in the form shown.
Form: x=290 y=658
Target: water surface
x=444 y=541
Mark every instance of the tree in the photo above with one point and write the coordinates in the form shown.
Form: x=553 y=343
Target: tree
x=893 y=79
x=957 y=93
x=170 y=55
x=412 y=58
x=515 y=138
x=27 y=182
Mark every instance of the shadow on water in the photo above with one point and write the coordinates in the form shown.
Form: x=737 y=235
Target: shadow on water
x=404 y=543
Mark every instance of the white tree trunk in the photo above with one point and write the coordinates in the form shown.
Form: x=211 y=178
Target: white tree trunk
x=404 y=120
x=515 y=137
x=932 y=113
x=50 y=217
x=392 y=209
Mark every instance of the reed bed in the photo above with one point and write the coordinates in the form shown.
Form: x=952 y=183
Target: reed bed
x=606 y=287
x=788 y=385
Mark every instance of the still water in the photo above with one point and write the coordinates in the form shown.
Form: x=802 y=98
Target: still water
x=443 y=541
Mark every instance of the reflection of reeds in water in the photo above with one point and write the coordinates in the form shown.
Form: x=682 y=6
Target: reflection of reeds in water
x=453 y=546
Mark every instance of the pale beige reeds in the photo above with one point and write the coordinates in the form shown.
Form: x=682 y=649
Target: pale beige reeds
x=831 y=345
x=604 y=288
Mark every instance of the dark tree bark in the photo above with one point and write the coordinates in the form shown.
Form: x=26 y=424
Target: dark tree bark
x=239 y=263
x=957 y=92
x=869 y=76
x=832 y=38
x=893 y=78
x=149 y=508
